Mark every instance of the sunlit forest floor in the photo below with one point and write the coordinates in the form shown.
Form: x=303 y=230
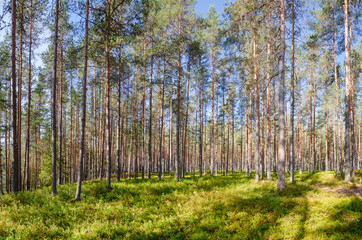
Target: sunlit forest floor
x=317 y=206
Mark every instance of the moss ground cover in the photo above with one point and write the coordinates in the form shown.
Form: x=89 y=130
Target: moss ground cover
x=233 y=207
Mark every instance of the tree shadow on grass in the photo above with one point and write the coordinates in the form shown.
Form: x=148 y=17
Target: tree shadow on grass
x=271 y=206
x=237 y=217
x=138 y=187
x=345 y=222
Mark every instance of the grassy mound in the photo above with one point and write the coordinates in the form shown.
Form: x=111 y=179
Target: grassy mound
x=233 y=207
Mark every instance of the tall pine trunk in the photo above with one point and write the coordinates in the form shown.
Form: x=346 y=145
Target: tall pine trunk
x=27 y=143
x=54 y=101
x=348 y=97
x=108 y=98
x=150 y=116
x=60 y=112
x=20 y=83
x=84 y=106
x=268 y=106
x=257 y=108
x=292 y=101
x=281 y=152
x=162 y=96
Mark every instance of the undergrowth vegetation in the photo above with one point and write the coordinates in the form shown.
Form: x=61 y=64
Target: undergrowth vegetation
x=233 y=207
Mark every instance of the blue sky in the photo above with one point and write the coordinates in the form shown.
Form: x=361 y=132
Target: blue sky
x=202 y=6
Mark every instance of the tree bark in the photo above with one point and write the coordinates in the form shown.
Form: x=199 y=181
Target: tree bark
x=118 y=162
x=178 y=126
x=150 y=117
x=170 y=129
x=162 y=96
x=54 y=100
x=27 y=143
x=60 y=113
x=347 y=153
x=212 y=113
x=20 y=83
x=84 y=106
x=268 y=106
x=257 y=108
x=108 y=98
x=292 y=101
x=281 y=152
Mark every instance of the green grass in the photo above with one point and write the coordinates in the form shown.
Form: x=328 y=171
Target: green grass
x=233 y=207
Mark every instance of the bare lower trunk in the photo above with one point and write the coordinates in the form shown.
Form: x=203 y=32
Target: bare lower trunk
x=84 y=106
x=108 y=101
x=281 y=152
x=292 y=104
x=348 y=97
x=27 y=143
x=54 y=99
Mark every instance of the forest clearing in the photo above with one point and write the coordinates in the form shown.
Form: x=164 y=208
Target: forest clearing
x=233 y=207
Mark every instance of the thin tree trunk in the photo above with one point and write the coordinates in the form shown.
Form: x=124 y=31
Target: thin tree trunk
x=349 y=89
x=84 y=106
x=162 y=96
x=118 y=163
x=268 y=106
x=292 y=102
x=326 y=126
x=281 y=152
x=184 y=140
x=54 y=100
x=170 y=129
x=7 y=159
x=150 y=117
x=250 y=160
x=60 y=112
x=212 y=113
x=338 y=157
x=108 y=99
x=20 y=82
x=257 y=108
x=27 y=144
x=352 y=100
x=1 y=168
x=274 y=129
x=178 y=126
x=314 y=128
x=232 y=132
x=144 y=103
x=200 y=119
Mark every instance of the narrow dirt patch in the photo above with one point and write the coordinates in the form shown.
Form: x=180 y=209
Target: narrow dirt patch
x=351 y=191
